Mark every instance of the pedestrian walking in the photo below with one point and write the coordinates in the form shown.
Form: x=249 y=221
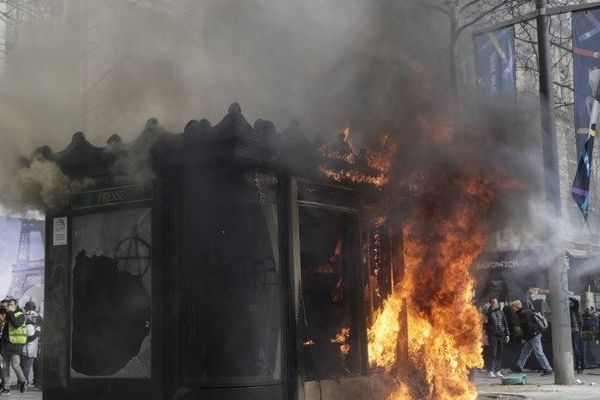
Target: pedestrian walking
x=532 y=338
x=14 y=336
x=576 y=339
x=30 y=349
x=497 y=332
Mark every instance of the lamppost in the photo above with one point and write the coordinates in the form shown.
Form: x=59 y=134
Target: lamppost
x=562 y=349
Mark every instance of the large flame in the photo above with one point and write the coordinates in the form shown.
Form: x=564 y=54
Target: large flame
x=371 y=165
x=428 y=333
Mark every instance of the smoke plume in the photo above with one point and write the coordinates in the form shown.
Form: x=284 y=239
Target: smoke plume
x=104 y=67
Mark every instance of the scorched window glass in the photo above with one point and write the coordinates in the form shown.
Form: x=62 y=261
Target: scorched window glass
x=231 y=308
x=111 y=295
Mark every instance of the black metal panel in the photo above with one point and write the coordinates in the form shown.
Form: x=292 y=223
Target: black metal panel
x=288 y=236
x=104 y=390
x=55 y=359
x=171 y=251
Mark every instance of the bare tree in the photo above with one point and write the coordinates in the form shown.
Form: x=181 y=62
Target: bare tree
x=15 y=13
x=464 y=15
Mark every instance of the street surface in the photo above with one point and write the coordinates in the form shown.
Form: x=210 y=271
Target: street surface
x=537 y=388
x=31 y=394
x=543 y=388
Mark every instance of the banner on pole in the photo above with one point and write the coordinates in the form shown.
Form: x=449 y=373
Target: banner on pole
x=586 y=69
x=495 y=62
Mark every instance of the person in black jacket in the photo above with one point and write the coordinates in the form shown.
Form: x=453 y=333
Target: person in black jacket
x=532 y=338
x=496 y=329
x=3 y=310
x=576 y=328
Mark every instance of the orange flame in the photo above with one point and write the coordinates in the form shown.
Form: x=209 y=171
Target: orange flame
x=341 y=338
x=342 y=150
x=346 y=133
x=353 y=176
x=430 y=317
x=379 y=160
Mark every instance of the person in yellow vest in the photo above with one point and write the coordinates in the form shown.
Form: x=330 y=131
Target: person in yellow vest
x=14 y=336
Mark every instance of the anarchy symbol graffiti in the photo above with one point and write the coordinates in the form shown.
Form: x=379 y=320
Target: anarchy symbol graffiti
x=133 y=255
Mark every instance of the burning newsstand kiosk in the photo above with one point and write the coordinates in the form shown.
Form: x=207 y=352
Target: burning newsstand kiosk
x=213 y=264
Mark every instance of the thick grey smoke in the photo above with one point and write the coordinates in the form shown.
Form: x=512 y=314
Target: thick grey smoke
x=104 y=67
x=322 y=62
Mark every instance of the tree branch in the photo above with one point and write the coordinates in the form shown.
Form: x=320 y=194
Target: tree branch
x=479 y=17
x=553 y=43
x=560 y=84
x=467 y=5
x=563 y=105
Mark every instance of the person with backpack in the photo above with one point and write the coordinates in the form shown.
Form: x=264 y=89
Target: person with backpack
x=532 y=327
x=497 y=332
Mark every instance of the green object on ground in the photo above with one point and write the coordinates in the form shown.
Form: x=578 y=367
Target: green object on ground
x=588 y=335
x=514 y=379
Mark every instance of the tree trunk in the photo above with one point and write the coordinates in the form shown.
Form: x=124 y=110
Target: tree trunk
x=452 y=48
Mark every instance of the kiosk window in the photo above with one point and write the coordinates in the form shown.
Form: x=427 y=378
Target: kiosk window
x=329 y=276
x=111 y=295
x=231 y=286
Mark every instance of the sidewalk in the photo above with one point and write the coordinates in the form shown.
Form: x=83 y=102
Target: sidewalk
x=30 y=394
x=543 y=388
x=537 y=388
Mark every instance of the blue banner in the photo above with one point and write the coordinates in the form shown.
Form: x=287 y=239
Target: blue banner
x=586 y=69
x=495 y=62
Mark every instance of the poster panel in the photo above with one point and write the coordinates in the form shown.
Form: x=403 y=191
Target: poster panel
x=22 y=261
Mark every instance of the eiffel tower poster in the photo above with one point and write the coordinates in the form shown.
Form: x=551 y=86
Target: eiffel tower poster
x=22 y=260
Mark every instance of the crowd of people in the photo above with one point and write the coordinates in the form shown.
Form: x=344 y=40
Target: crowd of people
x=526 y=327
x=523 y=323
x=20 y=332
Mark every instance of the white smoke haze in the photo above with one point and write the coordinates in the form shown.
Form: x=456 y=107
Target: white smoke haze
x=105 y=67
